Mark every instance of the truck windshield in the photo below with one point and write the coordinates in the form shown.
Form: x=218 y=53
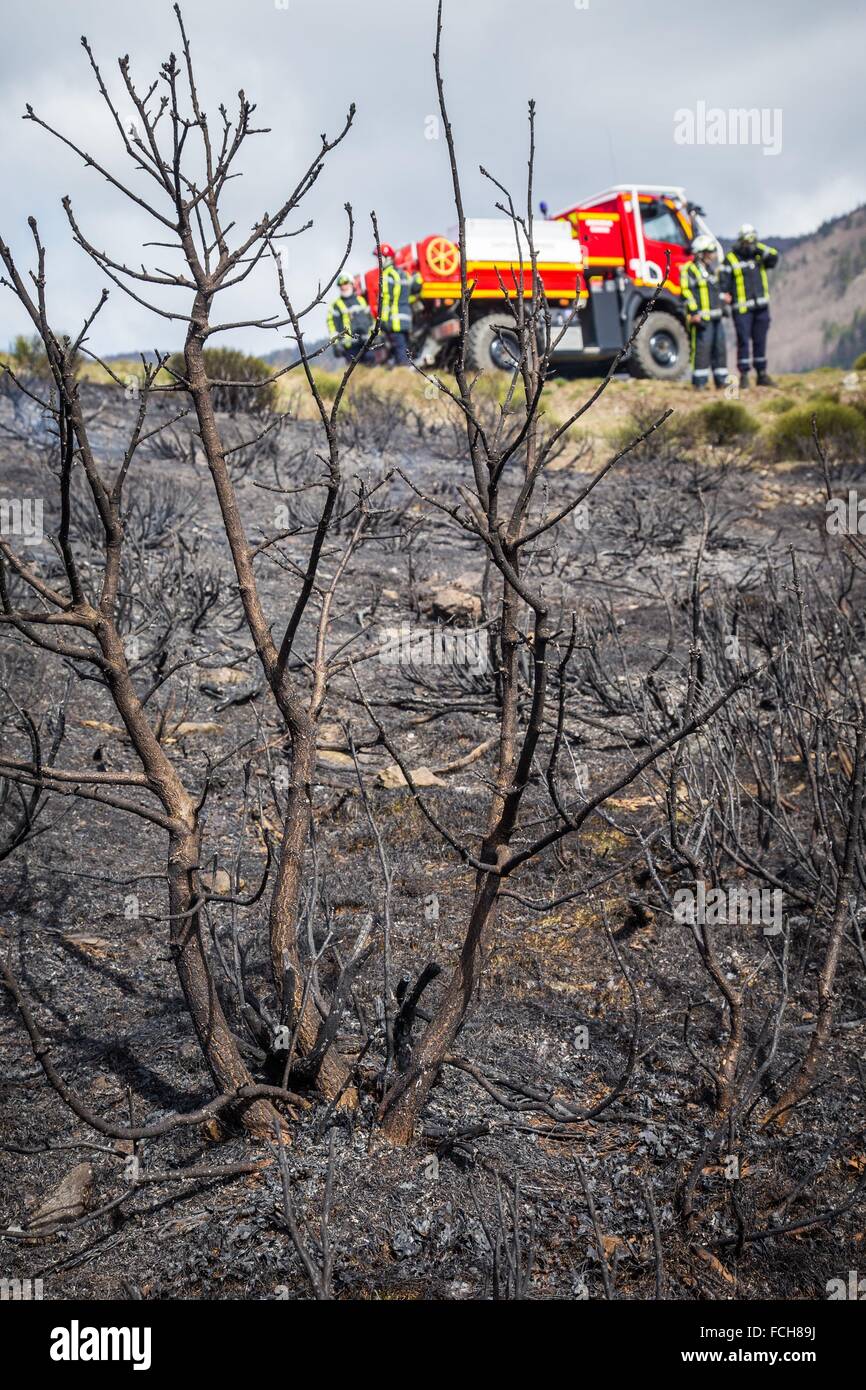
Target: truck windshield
x=660 y=224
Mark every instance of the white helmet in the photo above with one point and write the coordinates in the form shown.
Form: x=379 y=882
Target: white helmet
x=747 y=233
x=703 y=243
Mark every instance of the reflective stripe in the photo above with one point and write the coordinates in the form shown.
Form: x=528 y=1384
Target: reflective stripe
x=739 y=283
x=349 y=318
x=386 y=292
x=385 y=288
x=344 y=314
x=765 y=251
x=691 y=273
x=685 y=276
x=742 y=303
x=392 y=289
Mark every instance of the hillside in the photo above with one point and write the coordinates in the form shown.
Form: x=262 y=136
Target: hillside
x=819 y=297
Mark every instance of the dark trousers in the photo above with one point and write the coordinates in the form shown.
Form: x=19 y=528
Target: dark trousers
x=752 y=329
x=399 y=349
x=709 y=350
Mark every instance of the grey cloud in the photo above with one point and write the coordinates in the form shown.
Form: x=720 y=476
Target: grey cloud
x=608 y=80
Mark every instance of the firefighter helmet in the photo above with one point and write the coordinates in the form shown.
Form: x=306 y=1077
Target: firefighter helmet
x=747 y=233
x=345 y=279
x=702 y=243
x=385 y=251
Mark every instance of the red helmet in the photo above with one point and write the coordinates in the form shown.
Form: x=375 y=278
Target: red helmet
x=385 y=251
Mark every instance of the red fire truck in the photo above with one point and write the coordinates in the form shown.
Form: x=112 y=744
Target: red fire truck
x=599 y=261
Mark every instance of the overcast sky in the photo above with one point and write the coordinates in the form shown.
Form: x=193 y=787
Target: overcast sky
x=608 y=76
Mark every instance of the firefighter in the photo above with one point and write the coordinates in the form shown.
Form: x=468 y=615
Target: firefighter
x=705 y=297
x=745 y=271
x=399 y=292
x=349 y=319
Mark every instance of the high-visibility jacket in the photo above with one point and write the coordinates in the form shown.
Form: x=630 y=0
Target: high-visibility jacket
x=349 y=318
x=702 y=289
x=399 y=292
x=745 y=271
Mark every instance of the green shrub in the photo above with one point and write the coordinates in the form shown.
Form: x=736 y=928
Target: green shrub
x=841 y=429
x=725 y=422
x=678 y=433
x=230 y=365
x=857 y=401
x=327 y=383
x=495 y=386
x=28 y=358
x=779 y=405
x=859 y=363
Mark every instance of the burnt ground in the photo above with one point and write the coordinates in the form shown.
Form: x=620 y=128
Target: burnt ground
x=87 y=937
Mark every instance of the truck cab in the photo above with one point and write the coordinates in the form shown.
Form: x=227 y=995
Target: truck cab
x=635 y=239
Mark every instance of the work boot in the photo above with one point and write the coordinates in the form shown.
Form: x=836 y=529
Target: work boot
x=744 y=381
x=764 y=380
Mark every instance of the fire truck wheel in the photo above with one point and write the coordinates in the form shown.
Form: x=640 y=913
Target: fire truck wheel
x=491 y=345
x=661 y=348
